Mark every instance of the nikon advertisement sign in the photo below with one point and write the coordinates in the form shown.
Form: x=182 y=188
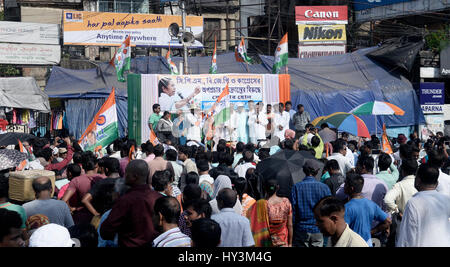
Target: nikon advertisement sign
x=322 y=34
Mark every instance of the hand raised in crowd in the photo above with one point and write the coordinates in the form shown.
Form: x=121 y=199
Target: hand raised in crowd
x=68 y=141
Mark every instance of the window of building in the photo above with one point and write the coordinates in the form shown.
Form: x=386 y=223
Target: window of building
x=123 y=6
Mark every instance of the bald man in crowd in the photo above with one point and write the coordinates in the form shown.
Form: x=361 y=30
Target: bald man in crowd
x=131 y=215
x=57 y=211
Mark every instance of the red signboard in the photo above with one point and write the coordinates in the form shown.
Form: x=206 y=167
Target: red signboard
x=321 y=15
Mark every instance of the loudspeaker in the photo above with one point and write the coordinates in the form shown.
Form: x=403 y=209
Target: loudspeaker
x=174 y=30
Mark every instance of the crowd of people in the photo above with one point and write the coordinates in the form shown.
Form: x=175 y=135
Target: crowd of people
x=177 y=193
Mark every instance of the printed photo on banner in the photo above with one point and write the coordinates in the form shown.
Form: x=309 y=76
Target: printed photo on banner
x=203 y=90
x=104 y=128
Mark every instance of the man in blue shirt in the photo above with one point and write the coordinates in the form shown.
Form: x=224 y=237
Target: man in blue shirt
x=361 y=212
x=304 y=196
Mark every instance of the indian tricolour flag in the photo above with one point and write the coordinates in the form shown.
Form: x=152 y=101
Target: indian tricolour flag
x=241 y=53
x=122 y=58
x=222 y=107
x=281 y=55
x=213 y=68
x=172 y=65
x=104 y=129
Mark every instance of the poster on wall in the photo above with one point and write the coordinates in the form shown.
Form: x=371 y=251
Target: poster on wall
x=30 y=33
x=179 y=92
x=30 y=54
x=111 y=29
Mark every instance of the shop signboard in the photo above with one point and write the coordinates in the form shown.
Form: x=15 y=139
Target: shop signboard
x=309 y=51
x=30 y=54
x=367 y=4
x=320 y=34
x=29 y=33
x=432 y=97
x=321 y=15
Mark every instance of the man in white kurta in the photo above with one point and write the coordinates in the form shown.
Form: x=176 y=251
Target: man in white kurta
x=241 y=124
x=259 y=121
x=193 y=120
x=425 y=222
x=251 y=128
x=281 y=122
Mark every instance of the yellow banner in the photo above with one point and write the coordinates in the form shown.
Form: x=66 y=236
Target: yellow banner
x=110 y=29
x=92 y=21
x=322 y=34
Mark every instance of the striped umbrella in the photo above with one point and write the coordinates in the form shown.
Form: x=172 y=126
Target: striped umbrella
x=347 y=122
x=377 y=108
x=318 y=121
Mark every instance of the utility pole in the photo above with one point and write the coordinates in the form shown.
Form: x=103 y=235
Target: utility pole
x=279 y=20
x=269 y=7
x=228 y=29
x=185 y=52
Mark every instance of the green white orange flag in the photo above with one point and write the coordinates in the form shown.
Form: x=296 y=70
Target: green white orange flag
x=104 y=128
x=122 y=58
x=222 y=107
x=281 y=55
x=172 y=65
x=213 y=68
x=23 y=164
x=153 y=139
x=385 y=142
x=241 y=53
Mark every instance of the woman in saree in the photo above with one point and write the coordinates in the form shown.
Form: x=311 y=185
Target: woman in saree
x=271 y=219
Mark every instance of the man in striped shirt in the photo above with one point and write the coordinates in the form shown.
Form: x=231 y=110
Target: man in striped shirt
x=165 y=219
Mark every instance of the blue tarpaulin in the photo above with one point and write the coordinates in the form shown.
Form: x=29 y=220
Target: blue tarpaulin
x=323 y=85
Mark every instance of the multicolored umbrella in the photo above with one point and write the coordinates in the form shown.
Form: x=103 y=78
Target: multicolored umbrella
x=10 y=158
x=348 y=122
x=318 y=121
x=377 y=108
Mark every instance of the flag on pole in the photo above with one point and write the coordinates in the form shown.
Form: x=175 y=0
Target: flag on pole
x=222 y=107
x=241 y=53
x=385 y=142
x=104 y=128
x=24 y=162
x=122 y=58
x=172 y=65
x=281 y=55
x=153 y=139
x=213 y=68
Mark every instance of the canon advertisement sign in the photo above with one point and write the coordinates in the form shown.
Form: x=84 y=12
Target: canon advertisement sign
x=321 y=15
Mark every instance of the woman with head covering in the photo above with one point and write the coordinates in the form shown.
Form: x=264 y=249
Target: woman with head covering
x=220 y=183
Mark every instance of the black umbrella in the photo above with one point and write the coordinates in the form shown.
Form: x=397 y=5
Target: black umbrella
x=10 y=158
x=287 y=167
x=11 y=138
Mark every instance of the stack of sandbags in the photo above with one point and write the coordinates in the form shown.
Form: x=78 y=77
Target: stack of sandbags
x=20 y=183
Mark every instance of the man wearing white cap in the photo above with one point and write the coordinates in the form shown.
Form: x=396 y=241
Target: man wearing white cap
x=52 y=235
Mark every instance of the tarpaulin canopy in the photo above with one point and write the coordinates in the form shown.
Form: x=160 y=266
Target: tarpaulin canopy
x=23 y=92
x=324 y=85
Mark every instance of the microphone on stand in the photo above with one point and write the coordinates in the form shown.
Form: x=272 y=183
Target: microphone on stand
x=180 y=95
